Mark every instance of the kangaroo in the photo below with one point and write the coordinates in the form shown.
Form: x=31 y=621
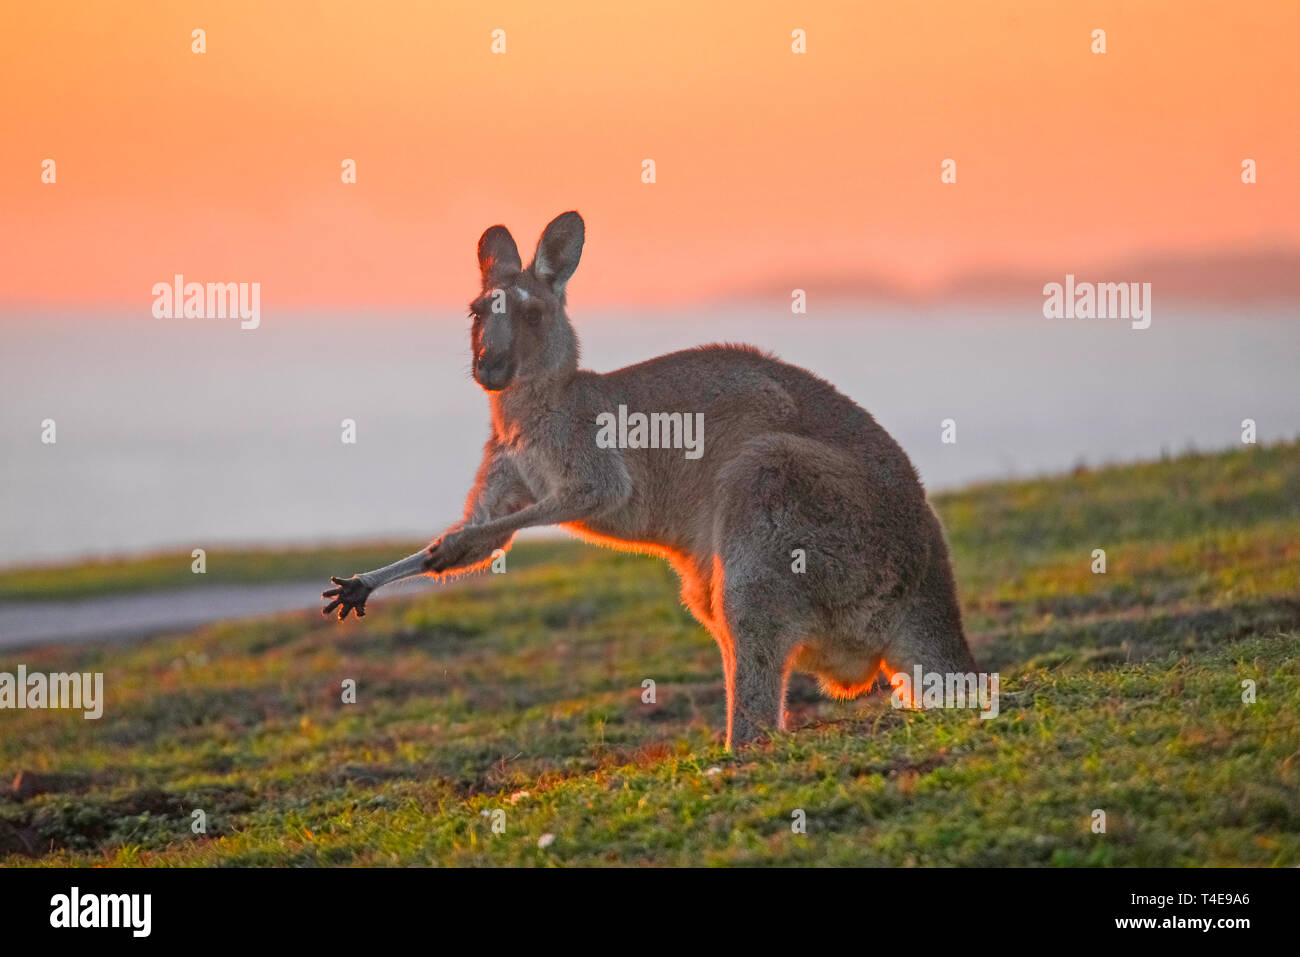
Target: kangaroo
x=791 y=468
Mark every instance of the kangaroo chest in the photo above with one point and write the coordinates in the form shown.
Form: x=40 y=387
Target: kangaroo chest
x=538 y=468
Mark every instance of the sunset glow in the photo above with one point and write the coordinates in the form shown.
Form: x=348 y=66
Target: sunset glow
x=226 y=165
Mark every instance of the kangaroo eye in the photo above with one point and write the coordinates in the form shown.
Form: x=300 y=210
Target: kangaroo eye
x=534 y=311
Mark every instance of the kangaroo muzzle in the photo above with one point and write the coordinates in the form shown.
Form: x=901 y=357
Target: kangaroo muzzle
x=493 y=372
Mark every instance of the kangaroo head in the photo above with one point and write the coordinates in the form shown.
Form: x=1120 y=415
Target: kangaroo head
x=520 y=328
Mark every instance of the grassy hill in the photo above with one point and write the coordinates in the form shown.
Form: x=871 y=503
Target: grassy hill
x=522 y=694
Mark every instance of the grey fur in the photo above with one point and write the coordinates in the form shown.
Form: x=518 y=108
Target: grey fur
x=790 y=463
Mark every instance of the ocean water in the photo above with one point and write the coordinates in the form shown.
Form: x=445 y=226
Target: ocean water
x=195 y=433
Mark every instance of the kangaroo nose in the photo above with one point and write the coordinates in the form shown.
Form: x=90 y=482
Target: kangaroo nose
x=493 y=372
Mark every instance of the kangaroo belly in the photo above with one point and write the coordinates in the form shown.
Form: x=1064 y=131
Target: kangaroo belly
x=843 y=671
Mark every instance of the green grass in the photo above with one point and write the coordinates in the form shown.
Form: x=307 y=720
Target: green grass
x=229 y=566
x=521 y=693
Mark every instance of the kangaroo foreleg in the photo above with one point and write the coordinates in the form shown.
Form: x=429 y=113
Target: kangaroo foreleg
x=468 y=543
x=498 y=491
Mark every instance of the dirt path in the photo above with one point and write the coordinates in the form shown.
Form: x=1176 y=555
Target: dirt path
x=135 y=615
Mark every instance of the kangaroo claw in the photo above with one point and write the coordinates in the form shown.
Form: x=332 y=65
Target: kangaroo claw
x=350 y=595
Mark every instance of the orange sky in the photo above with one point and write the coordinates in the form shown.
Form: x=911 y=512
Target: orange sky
x=225 y=166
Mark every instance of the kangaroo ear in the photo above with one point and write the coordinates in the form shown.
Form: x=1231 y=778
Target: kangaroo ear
x=498 y=256
x=559 y=250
